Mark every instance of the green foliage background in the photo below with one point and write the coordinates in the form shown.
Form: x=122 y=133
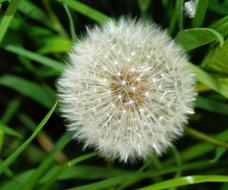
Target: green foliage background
x=36 y=152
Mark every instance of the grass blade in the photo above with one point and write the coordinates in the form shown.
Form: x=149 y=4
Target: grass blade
x=9 y=131
x=218 y=7
x=29 y=89
x=210 y=81
x=6 y=163
x=200 y=149
x=221 y=25
x=1 y=139
x=205 y=137
x=144 y=5
x=11 y=109
x=55 y=22
x=58 y=66
x=179 y=13
x=86 y=10
x=31 y=10
x=61 y=169
x=193 y=38
x=212 y=105
x=200 y=13
x=55 y=44
x=71 y=22
x=137 y=176
x=7 y=18
x=219 y=152
x=84 y=172
x=217 y=59
x=42 y=138
x=187 y=180
x=37 y=174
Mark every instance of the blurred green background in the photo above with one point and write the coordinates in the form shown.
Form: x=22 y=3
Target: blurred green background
x=36 y=152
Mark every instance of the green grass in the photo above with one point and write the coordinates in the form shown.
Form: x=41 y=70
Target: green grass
x=7 y=18
x=28 y=88
x=37 y=174
x=86 y=10
x=188 y=180
x=36 y=151
x=19 y=150
x=56 y=65
x=200 y=13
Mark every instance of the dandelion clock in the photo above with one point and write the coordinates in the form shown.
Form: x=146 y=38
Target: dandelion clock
x=127 y=90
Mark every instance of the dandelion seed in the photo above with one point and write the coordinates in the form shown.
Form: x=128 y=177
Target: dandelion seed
x=141 y=110
x=123 y=82
x=119 y=97
x=131 y=102
x=133 y=69
x=115 y=62
x=146 y=93
x=119 y=74
x=124 y=111
x=190 y=8
x=146 y=97
x=133 y=89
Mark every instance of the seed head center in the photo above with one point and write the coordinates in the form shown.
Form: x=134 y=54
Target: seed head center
x=129 y=89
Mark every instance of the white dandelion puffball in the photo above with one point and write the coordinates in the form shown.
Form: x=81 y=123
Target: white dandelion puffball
x=127 y=90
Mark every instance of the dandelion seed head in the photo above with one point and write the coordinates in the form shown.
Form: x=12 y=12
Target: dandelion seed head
x=131 y=100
